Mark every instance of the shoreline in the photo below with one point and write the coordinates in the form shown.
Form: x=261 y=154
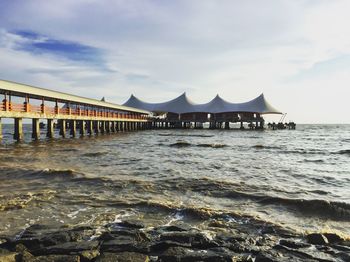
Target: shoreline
x=130 y=240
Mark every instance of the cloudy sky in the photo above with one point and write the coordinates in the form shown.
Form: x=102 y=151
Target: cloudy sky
x=296 y=52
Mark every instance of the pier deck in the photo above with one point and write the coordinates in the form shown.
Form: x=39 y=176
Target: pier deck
x=91 y=115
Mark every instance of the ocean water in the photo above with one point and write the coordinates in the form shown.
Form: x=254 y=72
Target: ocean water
x=295 y=179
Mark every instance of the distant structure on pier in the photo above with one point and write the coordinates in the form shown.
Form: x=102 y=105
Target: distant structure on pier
x=183 y=105
x=218 y=111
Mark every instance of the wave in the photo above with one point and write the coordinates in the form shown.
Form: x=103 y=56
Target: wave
x=49 y=172
x=339 y=211
x=314 y=160
x=181 y=144
x=189 y=135
x=212 y=145
x=343 y=152
x=187 y=144
x=94 y=154
x=265 y=147
x=335 y=210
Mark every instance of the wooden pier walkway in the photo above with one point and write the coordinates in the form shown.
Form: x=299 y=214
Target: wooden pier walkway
x=89 y=116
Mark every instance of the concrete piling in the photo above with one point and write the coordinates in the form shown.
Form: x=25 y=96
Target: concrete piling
x=96 y=126
x=63 y=128
x=36 y=128
x=73 y=128
x=82 y=128
x=49 y=131
x=89 y=126
x=18 y=134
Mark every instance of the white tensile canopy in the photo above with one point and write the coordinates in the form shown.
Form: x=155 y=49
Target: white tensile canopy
x=183 y=104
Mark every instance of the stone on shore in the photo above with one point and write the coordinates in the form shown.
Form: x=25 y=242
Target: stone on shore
x=122 y=257
x=317 y=239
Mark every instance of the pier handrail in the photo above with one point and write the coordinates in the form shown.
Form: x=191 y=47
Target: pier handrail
x=22 y=90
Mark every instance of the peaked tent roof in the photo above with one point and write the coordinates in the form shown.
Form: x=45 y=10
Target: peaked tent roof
x=183 y=104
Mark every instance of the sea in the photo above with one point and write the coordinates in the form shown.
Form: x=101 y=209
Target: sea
x=295 y=179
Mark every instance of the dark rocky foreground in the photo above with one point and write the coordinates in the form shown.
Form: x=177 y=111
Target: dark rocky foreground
x=130 y=241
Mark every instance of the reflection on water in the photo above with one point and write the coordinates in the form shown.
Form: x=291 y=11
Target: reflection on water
x=297 y=179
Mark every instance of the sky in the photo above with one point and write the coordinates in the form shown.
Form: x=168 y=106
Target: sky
x=296 y=52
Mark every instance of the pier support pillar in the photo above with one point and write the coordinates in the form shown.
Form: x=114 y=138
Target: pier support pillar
x=90 y=129
x=73 y=128
x=35 y=129
x=49 y=131
x=63 y=128
x=18 y=135
x=108 y=127
x=112 y=123
x=96 y=125
x=82 y=127
x=102 y=127
x=227 y=125
x=242 y=127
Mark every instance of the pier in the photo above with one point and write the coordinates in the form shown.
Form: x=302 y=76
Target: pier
x=77 y=116
x=73 y=115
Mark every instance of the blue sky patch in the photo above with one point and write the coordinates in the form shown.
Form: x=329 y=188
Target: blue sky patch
x=41 y=44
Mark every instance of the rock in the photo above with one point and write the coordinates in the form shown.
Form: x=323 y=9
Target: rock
x=136 y=234
x=333 y=238
x=175 y=254
x=7 y=256
x=163 y=245
x=68 y=248
x=55 y=258
x=89 y=255
x=128 y=224
x=2 y=241
x=172 y=228
x=196 y=240
x=341 y=248
x=293 y=244
x=124 y=243
x=265 y=257
x=317 y=239
x=122 y=257
x=268 y=230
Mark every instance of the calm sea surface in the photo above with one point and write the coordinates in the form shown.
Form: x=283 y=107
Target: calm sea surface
x=296 y=179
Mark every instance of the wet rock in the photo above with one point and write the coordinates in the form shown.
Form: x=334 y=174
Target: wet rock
x=55 y=258
x=345 y=256
x=333 y=238
x=265 y=257
x=81 y=233
x=89 y=255
x=341 y=248
x=2 y=241
x=136 y=234
x=7 y=256
x=55 y=238
x=181 y=254
x=268 y=230
x=122 y=257
x=195 y=239
x=174 y=228
x=124 y=243
x=68 y=248
x=293 y=244
x=128 y=224
x=163 y=245
x=317 y=239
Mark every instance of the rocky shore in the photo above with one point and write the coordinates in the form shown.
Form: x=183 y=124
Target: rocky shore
x=132 y=241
